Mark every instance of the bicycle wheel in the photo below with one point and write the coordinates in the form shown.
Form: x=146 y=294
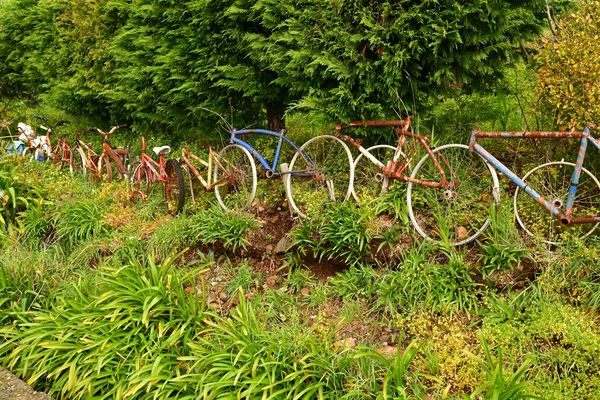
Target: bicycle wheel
x=140 y=180
x=239 y=173
x=174 y=187
x=369 y=180
x=104 y=170
x=77 y=164
x=458 y=214
x=188 y=181
x=553 y=182
x=320 y=172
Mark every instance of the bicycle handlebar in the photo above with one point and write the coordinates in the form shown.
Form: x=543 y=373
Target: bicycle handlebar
x=51 y=127
x=100 y=131
x=403 y=124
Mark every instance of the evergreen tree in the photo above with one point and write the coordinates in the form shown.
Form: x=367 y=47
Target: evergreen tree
x=27 y=42
x=363 y=58
x=163 y=62
x=176 y=58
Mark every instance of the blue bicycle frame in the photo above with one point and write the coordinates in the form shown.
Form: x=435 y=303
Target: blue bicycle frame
x=564 y=218
x=271 y=168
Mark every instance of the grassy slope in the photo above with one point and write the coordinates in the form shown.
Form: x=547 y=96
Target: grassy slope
x=86 y=263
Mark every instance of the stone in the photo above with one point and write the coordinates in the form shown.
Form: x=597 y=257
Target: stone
x=12 y=388
x=387 y=350
x=211 y=298
x=283 y=245
x=348 y=343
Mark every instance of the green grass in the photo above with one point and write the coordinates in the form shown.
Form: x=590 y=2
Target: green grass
x=100 y=297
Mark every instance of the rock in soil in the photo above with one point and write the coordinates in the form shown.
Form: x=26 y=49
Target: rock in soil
x=283 y=245
x=12 y=388
x=348 y=343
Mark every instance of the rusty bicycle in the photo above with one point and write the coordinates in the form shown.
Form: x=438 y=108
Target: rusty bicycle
x=84 y=158
x=146 y=172
x=450 y=190
x=554 y=201
x=233 y=169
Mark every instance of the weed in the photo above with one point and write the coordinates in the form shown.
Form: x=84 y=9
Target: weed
x=255 y=361
x=356 y=281
x=299 y=279
x=280 y=306
x=109 y=342
x=319 y=295
x=504 y=248
x=425 y=283
x=170 y=236
x=506 y=310
x=241 y=277
x=17 y=193
x=497 y=385
x=351 y=310
x=215 y=225
x=399 y=379
x=342 y=232
x=36 y=223
x=80 y=221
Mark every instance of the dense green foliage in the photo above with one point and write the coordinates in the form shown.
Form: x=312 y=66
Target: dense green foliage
x=107 y=298
x=160 y=63
x=569 y=78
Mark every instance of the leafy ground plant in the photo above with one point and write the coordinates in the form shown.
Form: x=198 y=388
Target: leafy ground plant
x=80 y=220
x=504 y=249
x=498 y=386
x=17 y=193
x=343 y=232
x=121 y=340
x=422 y=282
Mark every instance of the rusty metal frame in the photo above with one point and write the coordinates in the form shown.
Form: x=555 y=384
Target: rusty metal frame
x=585 y=136
x=397 y=170
x=207 y=183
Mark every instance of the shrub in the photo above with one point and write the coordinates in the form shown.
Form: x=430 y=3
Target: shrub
x=429 y=284
x=504 y=249
x=343 y=232
x=568 y=68
x=17 y=193
x=358 y=281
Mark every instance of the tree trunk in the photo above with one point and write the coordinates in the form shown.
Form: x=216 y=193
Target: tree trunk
x=275 y=113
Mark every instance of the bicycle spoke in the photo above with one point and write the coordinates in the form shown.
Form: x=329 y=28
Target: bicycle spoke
x=553 y=182
x=458 y=213
x=237 y=170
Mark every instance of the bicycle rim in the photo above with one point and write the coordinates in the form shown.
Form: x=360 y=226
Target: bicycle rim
x=457 y=214
x=553 y=182
x=321 y=172
x=239 y=178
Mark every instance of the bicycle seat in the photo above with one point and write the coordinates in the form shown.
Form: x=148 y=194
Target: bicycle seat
x=164 y=150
